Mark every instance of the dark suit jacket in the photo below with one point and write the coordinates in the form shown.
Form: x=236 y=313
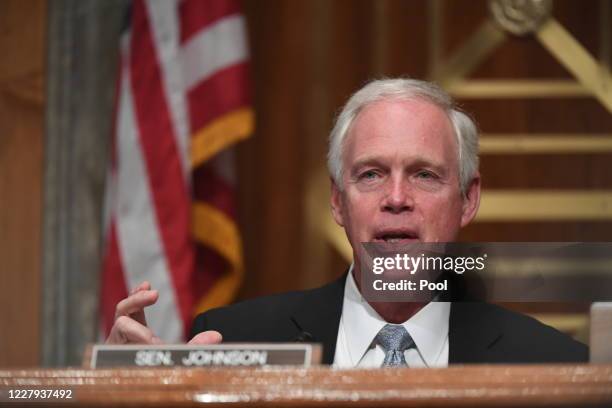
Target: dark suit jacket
x=478 y=332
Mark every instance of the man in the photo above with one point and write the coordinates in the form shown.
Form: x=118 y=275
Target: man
x=404 y=168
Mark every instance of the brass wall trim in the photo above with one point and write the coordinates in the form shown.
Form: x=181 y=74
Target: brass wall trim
x=473 y=51
x=545 y=205
x=573 y=323
x=545 y=143
x=336 y=237
x=572 y=55
x=518 y=88
x=536 y=267
x=593 y=77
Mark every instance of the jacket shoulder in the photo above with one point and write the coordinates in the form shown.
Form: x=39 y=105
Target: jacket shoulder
x=275 y=318
x=251 y=319
x=524 y=339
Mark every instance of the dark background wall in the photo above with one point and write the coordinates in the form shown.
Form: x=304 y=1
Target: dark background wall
x=22 y=118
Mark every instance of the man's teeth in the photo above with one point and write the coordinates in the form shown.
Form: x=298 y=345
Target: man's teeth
x=396 y=238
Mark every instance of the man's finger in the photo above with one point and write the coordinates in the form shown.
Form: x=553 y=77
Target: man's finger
x=207 y=337
x=134 y=305
x=145 y=285
x=127 y=331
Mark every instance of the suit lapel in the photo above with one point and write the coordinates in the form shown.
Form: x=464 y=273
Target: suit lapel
x=473 y=332
x=318 y=316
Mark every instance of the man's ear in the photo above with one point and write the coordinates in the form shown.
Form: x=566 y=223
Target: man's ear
x=337 y=203
x=471 y=201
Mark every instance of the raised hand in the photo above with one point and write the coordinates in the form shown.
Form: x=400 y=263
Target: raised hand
x=130 y=323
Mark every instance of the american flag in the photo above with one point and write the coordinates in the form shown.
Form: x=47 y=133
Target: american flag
x=182 y=102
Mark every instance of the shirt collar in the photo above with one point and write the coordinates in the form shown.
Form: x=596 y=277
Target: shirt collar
x=428 y=327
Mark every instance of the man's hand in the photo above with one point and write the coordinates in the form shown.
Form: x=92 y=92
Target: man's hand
x=131 y=325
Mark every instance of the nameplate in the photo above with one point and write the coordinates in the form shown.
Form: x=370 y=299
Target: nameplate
x=218 y=355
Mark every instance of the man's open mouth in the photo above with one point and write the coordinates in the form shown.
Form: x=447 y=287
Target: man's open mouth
x=396 y=237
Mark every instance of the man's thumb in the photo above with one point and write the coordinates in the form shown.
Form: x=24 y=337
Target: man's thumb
x=207 y=337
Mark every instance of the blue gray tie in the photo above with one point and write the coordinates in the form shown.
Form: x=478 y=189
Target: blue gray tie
x=394 y=339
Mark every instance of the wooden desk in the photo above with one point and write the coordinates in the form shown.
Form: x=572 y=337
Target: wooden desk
x=458 y=386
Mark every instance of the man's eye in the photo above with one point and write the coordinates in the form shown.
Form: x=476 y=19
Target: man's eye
x=369 y=175
x=425 y=175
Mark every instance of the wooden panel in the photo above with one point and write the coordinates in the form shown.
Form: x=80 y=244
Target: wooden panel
x=21 y=165
x=460 y=386
x=270 y=162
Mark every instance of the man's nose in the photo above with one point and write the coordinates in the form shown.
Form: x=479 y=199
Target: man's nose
x=398 y=197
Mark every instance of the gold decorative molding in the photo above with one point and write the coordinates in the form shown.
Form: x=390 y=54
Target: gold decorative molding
x=480 y=44
x=530 y=267
x=317 y=201
x=571 y=323
x=517 y=88
x=572 y=55
x=545 y=143
x=545 y=205
x=520 y=17
x=593 y=77
x=337 y=237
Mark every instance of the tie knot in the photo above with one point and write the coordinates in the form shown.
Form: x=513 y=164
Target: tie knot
x=394 y=337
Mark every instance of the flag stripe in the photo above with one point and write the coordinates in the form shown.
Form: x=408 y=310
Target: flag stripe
x=211 y=188
x=220 y=42
x=165 y=28
x=224 y=166
x=196 y=15
x=218 y=95
x=211 y=266
x=141 y=249
x=168 y=187
x=219 y=232
x=220 y=134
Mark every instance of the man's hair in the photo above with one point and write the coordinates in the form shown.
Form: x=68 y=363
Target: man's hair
x=405 y=89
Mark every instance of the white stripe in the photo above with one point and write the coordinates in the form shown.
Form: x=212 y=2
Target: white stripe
x=165 y=28
x=214 y=48
x=140 y=245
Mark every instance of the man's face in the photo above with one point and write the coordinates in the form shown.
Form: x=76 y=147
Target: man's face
x=401 y=177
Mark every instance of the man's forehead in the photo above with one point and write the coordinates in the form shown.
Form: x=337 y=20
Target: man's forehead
x=412 y=109
x=387 y=124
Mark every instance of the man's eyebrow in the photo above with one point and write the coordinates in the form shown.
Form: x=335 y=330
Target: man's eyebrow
x=440 y=167
x=367 y=161
x=410 y=163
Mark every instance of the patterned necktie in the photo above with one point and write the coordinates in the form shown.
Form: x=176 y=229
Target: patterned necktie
x=394 y=339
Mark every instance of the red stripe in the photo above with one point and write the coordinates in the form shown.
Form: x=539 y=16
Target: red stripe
x=223 y=92
x=168 y=187
x=113 y=287
x=210 y=266
x=197 y=14
x=208 y=186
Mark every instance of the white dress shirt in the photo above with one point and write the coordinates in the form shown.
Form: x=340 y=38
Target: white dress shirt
x=360 y=323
